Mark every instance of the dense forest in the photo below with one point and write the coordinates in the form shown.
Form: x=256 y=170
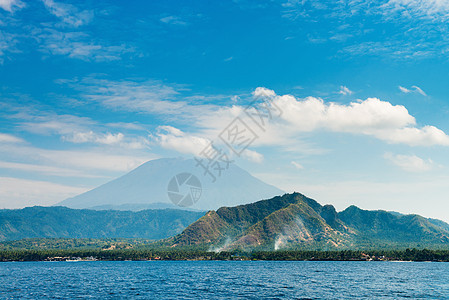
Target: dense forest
x=147 y=254
x=63 y=222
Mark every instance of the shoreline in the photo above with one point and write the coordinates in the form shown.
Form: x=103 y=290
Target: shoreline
x=79 y=255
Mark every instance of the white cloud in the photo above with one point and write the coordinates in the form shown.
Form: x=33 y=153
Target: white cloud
x=78 y=45
x=128 y=126
x=91 y=137
x=345 y=91
x=357 y=117
x=425 y=136
x=47 y=170
x=58 y=38
x=372 y=117
x=93 y=160
x=8 y=42
x=263 y=92
x=410 y=163
x=151 y=97
x=10 y=5
x=423 y=9
x=381 y=119
x=18 y=193
x=414 y=89
x=97 y=160
x=174 y=139
x=69 y=14
x=416 y=34
x=404 y=90
x=7 y=138
x=297 y=165
x=62 y=36
x=46 y=123
x=397 y=49
x=78 y=130
x=171 y=130
x=433 y=9
x=110 y=139
x=253 y=156
x=174 y=20
x=419 y=90
x=80 y=137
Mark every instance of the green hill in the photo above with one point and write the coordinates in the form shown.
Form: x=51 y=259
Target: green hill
x=293 y=221
x=62 y=222
x=385 y=228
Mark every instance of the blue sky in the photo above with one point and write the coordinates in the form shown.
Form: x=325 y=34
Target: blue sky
x=91 y=89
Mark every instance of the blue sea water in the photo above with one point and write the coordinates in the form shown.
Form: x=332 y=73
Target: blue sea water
x=223 y=280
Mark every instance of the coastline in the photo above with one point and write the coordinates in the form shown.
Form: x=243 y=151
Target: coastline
x=67 y=255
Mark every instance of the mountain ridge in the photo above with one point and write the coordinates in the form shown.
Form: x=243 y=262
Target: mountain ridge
x=294 y=221
x=63 y=222
x=291 y=221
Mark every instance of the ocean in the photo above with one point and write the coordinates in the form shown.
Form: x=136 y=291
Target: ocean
x=224 y=280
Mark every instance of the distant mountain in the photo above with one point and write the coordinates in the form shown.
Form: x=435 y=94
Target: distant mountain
x=139 y=206
x=146 y=187
x=293 y=221
x=74 y=244
x=62 y=222
x=385 y=228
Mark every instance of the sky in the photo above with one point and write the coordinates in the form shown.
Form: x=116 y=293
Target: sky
x=90 y=90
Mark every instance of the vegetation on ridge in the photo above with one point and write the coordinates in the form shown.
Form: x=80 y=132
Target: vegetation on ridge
x=63 y=222
x=293 y=221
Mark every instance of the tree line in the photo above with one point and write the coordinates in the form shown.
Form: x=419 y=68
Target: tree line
x=189 y=254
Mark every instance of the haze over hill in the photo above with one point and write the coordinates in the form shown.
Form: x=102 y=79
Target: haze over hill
x=63 y=222
x=146 y=187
